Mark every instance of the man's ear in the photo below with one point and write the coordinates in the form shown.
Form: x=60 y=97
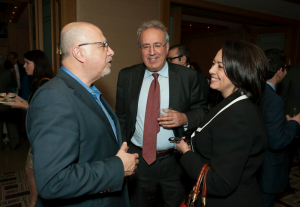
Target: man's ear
x=279 y=73
x=78 y=54
x=183 y=60
x=167 y=48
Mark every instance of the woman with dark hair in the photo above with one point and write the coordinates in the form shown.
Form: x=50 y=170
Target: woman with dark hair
x=38 y=66
x=232 y=138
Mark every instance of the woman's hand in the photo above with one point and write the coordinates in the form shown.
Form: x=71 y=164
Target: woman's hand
x=182 y=146
x=17 y=102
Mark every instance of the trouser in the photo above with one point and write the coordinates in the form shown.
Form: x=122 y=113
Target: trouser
x=269 y=199
x=7 y=114
x=158 y=184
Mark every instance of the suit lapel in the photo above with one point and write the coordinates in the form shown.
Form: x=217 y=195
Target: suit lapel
x=174 y=86
x=114 y=118
x=136 y=82
x=81 y=93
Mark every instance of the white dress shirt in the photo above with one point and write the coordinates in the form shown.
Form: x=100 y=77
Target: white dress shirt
x=164 y=134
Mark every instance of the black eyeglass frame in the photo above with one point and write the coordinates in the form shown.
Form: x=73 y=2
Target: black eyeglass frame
x=286 y=68
x=171 y=59
x=103 y=44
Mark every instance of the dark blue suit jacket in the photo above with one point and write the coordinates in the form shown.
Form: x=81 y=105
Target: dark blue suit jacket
x=273 y=175
x=74 y=147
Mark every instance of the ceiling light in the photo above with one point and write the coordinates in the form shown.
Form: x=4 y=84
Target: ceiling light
x=190 y=25
x=207 y=27
x=13 y=12
x=16 y=7
x=9 y=20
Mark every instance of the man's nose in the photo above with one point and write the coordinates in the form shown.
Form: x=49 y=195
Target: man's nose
x=152 y=50
x=110 y=51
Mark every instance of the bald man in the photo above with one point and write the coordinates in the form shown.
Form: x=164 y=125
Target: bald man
x=78 y=155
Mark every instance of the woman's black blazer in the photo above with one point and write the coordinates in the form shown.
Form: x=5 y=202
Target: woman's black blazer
x=234 y=144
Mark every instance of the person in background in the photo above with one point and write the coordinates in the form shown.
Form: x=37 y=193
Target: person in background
x=273 y=174
x=38 y=66
x=7 y=115
x=180 y=55
x=18 y=72
x=234 y=143
x=155 y=101
x=289 y=90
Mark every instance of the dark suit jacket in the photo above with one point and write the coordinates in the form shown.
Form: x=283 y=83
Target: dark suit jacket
x=234 y=144
x=21 y=70
x=204 y=87
x=7 y=80
x=273 y=175
x=289 y=89
x=185 y=96
x=74 y=147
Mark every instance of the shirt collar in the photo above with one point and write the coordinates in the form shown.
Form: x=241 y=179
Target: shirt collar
x=92 y=90
x=272 y=86
x=164 y=72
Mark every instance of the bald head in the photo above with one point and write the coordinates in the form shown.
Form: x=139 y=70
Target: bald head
x=76 y=33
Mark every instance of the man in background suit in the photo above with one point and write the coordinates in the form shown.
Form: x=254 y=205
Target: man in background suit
x=289 y=90
x=7 y=114
x=180 y=55
x=19 y=70
x=74 y=134
x=18 y=73
x=144 y=91
x=273 y=176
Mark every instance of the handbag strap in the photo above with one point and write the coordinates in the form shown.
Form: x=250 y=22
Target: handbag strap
x=198 y=183
x=204 y=189
x=232 y=102
x=44 y=79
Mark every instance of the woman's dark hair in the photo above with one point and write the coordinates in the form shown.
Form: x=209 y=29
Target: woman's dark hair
x=8 y=65
x=42 y=66
x=246 y=67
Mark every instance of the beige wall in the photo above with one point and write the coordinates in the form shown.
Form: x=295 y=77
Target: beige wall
x=17 y=41
x=203 y=48
x=119 y=21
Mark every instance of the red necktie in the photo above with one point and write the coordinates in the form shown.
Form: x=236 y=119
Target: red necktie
x=151 y=126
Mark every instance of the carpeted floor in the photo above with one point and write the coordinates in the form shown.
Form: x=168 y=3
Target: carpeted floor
x=291 y=200
x=13 y=189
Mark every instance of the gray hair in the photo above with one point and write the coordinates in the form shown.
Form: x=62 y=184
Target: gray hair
x=2 y=59
x=153 y=24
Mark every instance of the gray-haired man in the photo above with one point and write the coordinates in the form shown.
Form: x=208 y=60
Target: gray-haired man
x=143 y=92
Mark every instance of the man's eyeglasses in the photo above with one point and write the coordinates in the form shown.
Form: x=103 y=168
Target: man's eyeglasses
x=170 y=59
x=156 y=46
x=102 y=44
x=286 y=68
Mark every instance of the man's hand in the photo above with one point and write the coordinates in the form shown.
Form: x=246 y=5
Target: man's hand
x=129 y=160
x=172 y=119
x=295 y=118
